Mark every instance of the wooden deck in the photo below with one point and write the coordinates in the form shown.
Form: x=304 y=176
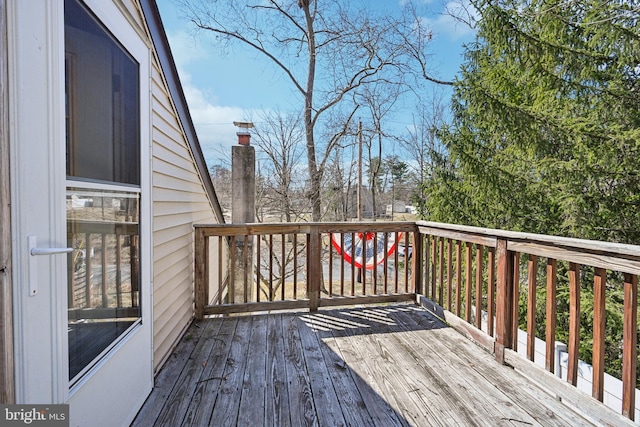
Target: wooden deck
x=393 y=365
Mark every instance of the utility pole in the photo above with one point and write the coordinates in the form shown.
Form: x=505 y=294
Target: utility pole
x=359 y=217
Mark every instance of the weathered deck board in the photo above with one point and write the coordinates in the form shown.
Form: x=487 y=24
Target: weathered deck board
x=207 y=387
x=255 y=376
x=393 y=365
x=301 y=405
x=225 y=410
x=277 y=411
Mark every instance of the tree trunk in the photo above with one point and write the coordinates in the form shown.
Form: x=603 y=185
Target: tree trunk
x=314 y=174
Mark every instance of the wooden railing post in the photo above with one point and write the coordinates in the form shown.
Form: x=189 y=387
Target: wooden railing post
x=416 y=260
x=201 y=285
x=504 y=300
x=314 y=267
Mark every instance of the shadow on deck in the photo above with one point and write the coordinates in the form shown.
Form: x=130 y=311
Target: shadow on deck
x=384 y=365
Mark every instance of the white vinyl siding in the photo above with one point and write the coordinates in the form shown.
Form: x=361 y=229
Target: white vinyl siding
x=179 y=201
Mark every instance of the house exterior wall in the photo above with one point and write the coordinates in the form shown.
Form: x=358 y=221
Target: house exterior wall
x=179 y=201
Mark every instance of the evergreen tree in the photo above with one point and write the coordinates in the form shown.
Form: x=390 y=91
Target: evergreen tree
x=546 y=129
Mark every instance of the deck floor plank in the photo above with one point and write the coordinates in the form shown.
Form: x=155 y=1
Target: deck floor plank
x=277 y=412
x=225 y=410
x=517 y=397
x=386 y=365
x=178 y=403
x=324 y=395
x=353 y=405
x=479 y=402
x=167 y=377
x=389 y=371
x=207 y=388
x=301 y=405
x=366 y=379
x=255 y=380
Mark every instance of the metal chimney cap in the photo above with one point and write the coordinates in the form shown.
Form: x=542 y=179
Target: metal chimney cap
x=244 y=125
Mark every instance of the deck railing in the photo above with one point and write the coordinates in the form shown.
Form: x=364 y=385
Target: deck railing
x=288 y=266
x=486 y=283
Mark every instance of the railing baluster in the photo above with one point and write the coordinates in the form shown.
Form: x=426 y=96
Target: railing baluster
x=417 y=263
x=258 y=267
x=491 y=290
x=396 y=273
x=374 y=270
x=441 y=272
x=118 y=270
x=449 y=273
x=283 y=267
x=515 y=323
x=295 y=265
x=479 y=256
x=458 y=277
x=406 y=259
x=427 y=264
x=550 y=336
x=468 y=283
x=341 y=267
x=599 y=313
x=232 y=273
x=353 y=266
x=330 y=268
x=385 y=264
x=434 y=254
x=629 y=348
x=363 y=270
x=88 y=269
x=245 y=269
x=314 y=272
x=271 y=267
x=103 y=260
x=220 y=266
x=574 y=322
x=531 y=306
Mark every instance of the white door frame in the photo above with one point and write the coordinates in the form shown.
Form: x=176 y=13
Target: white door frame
x=113 y=390
x=6 y=300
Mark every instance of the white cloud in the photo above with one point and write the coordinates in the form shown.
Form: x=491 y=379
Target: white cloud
x=185 y=48
x=447 y=25
x=213 y=123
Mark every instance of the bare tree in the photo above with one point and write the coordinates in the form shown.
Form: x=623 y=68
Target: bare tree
x=327 y=49
x=379 y=100
x=221 y=178
x=279 y=136
x=421 y=142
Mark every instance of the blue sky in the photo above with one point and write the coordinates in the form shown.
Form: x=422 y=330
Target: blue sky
x=221 y=88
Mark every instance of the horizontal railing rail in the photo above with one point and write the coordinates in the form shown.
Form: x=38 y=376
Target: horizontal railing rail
x=490 y=283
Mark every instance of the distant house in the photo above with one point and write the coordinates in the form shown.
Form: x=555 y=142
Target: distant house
x=101 y=181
